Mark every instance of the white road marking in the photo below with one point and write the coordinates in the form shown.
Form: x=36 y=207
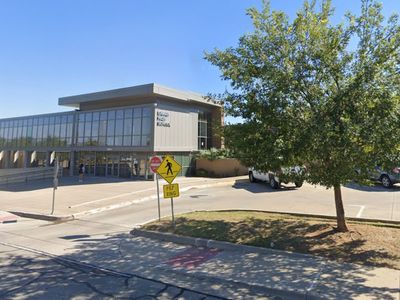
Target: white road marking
x=110 y=198
x=362 y=207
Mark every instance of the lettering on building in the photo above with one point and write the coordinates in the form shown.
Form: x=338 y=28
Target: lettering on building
x=163 y=119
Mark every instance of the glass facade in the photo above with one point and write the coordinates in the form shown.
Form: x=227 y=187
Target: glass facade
x=109 y=142
x=127 y=127
x=37 y=131
x=204 y=131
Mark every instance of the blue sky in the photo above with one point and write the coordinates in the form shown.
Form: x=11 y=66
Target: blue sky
x=50 y=49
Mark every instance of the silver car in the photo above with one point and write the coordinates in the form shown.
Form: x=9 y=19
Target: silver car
x=387 y=178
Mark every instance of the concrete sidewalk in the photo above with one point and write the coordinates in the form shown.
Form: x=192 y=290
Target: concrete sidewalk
x=237 y=272
x=94 y=195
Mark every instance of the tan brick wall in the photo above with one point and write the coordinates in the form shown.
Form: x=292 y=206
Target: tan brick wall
x=221 y=167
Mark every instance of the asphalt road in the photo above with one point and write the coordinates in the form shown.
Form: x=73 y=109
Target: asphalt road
x=24 y=273
x=362 y=202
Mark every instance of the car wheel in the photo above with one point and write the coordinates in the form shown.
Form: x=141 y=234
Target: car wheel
x=251 y=177
x=273 y=183
x=298 y=184
x=386 y=182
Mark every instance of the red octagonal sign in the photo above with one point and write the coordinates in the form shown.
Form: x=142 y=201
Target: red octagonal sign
x=155 y=162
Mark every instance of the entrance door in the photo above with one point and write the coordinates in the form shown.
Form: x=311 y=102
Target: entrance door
x=90 y=164
x=113 y=166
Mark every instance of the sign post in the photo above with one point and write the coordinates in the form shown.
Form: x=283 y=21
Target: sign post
x=55 y=184
x=155 y=162
x=168 y=170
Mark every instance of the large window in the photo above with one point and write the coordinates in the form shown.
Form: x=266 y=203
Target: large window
x=128 y=127
x=37 y=131
x=204 y=131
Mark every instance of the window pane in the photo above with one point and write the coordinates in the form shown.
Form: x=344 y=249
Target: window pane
x=145 y=140
x=128 y=127
x=88 y=117
x=95 y=128
x=110 y=128
x=103 y=128
x=136 y=140
x=88 y=129
x=146 y=111
x=102 y=140
x=96 y=116
x=137 y=112
x=127 y=140
x=69 y=130
x=137 y=126
x=110 y=141
x=146 y=126
x=128 y=113
x=81 y=126
x=119 y=127
x=118 y=141
x=111 y=114
x=120 y=114
x=103 y=116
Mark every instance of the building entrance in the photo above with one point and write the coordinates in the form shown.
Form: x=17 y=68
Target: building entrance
x=113 y=164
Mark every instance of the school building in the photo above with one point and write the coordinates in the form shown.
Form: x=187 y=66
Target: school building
x=114 y=132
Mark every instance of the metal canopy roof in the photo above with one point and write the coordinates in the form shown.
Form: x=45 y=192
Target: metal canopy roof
x=136 y=92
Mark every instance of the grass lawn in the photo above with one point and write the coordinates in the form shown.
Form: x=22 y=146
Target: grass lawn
x=366 y=243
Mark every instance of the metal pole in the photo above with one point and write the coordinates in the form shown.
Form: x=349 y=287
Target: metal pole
x=55 y=184
x=158 y=199
x=172 y=210
x=54 y=197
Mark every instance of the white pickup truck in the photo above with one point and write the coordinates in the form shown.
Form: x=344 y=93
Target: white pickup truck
x=273 y=179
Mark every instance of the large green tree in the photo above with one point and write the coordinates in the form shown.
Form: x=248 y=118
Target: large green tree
x=315 y=93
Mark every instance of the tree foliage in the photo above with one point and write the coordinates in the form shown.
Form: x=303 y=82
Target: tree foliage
x=315 y=93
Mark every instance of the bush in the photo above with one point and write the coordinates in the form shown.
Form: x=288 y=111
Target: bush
x=214 y=153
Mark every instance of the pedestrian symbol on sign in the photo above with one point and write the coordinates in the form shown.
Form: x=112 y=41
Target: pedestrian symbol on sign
x=169 y=169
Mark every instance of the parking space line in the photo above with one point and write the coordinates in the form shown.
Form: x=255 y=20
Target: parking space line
x=362 y=207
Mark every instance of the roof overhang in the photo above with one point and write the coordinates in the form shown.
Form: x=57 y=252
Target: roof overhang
x=137 y=92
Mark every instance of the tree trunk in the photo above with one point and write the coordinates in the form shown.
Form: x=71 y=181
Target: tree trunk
x=341 y=221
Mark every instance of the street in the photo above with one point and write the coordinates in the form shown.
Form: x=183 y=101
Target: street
x=95 y=238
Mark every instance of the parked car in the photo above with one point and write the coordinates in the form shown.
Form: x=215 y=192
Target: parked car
x=286 y=175
x=387 y=178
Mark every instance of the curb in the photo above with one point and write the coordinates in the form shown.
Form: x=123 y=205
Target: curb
x=66 y=218
x=352 y=219
x=8 y=221
x=42 y=216
x=207 y=243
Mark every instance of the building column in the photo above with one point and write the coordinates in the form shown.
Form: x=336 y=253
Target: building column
x=47 y=162
x=27 y=159
x=6 y=159
x=71 y=163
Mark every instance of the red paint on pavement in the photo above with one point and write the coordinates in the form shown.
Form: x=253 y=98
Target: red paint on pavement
x=193 y=257
x=7 y=218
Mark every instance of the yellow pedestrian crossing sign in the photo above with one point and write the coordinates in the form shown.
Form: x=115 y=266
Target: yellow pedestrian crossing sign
x=171 y=190
x=169 y=169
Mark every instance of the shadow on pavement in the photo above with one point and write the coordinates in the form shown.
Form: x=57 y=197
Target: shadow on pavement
x=374 y=188
x=261 y=187
x=44 y=278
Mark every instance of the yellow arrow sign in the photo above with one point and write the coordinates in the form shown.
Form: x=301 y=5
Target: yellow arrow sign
x=171 y=190
x=169 y=169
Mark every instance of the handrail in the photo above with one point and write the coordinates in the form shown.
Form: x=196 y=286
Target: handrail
x=41 y=173
x=39 y=170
